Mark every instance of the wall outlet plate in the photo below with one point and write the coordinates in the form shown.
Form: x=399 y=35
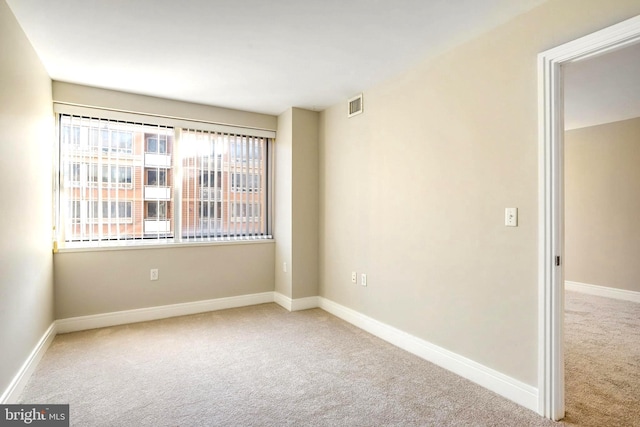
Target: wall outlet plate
x=511 y=217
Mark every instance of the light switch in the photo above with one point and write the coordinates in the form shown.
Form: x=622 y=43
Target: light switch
x=511 y=217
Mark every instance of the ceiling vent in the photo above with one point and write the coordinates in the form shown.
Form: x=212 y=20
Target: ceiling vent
x=354 y=106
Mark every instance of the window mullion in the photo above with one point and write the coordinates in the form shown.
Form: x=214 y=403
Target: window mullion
x=177 y=172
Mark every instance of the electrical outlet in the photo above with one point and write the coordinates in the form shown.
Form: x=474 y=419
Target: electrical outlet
x=363 y=279
x=284 y=267
x=153 y=274
x=354 y=277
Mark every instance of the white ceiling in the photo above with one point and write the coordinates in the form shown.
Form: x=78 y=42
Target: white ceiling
x=603 y=89
x=254 y=55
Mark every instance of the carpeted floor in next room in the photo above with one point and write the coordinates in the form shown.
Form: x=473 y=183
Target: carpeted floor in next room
x=602 y=361
x=262 y=366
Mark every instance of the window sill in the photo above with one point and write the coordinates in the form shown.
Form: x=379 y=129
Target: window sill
x=155 y=245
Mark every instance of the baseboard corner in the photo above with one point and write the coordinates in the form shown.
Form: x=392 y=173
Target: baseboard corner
x=282 y=300
x=21 y=378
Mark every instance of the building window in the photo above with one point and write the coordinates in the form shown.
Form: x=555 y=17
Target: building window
x=119 y=182
x=245 y=150
x=70 y=135
x=75 y=172
x=116 y=174
x=96 y=211
x=157 y=177
x=156 y=210
x=111 y=210
x=245 y=211
x=156 y=144
x=245 y=182
x=110 y=140
x=210 y=179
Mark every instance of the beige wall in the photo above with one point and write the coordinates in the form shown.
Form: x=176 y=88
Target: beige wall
x=94 y=282
x=282 y=202
x=26 y=129
x=305 y=203
x=602 y=204
x=296 y=203
x=413 y=191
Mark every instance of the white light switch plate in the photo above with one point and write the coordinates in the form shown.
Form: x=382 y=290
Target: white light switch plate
x=511 y=217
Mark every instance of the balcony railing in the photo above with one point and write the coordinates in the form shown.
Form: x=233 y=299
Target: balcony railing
x=157 y=226
x=152 y=160
x=153 y=192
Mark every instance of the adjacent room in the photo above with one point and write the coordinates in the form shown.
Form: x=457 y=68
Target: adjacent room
x=602 y=238
x=289 y=213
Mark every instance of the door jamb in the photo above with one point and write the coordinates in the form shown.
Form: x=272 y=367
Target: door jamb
x=551 y=202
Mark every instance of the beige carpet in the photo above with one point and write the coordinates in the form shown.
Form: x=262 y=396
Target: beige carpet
x=256 y=366
x=602 y=361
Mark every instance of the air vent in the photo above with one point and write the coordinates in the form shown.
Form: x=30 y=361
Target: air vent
x=355 y=106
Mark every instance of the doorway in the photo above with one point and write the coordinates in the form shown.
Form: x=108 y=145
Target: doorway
x=551 y=202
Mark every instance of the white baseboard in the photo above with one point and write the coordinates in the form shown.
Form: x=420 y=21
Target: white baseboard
x=296 y=304
x=162 y=312
x=18 y=383
x=521 y=393
x=517 y=391
x=283 y=301
x=305 y=303
x=602 y=291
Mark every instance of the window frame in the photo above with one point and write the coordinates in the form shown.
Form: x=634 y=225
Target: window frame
x=230 y=234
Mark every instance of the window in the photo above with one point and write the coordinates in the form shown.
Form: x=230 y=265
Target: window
x=213 y=182
x=125 y=181
x=156 y=210
x=245 y=211
x=245 y=150
x=110 y=140
x=75 y=172
x=112 y=175
x=70 y=135
x=156 y=144
x=157 y=177
x=245 y=182
x=210 y=179
x=74 y=213
x=111 y=210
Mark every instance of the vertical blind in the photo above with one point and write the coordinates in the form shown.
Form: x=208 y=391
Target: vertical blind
x=123 y=182
x=224 y=192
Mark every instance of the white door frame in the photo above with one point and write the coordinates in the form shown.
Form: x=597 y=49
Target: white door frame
x=551 y=202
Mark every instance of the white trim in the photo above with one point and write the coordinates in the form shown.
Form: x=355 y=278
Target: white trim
x=162 y=312
x=283 y=300
x=20 y=380
x=517 y=391
x=305 y=303
x=551 y=200
x=296 y=304
x=602 y=291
